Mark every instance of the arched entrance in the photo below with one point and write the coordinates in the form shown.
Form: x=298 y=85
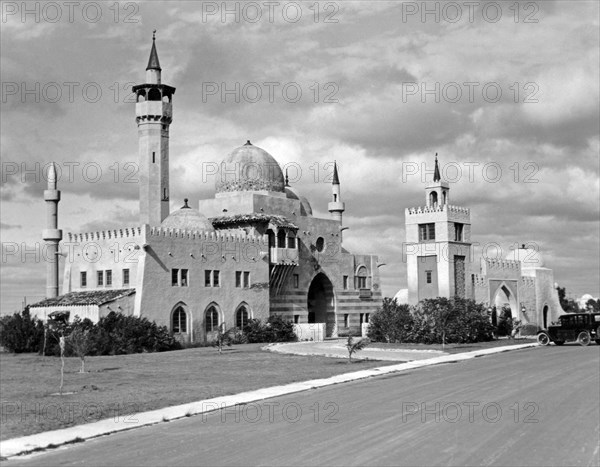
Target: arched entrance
x=320 y=301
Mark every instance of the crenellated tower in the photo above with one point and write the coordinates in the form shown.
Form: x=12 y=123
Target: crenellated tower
x=154 y=113
x=438 y=245
x=52 y=235
x=336 y=207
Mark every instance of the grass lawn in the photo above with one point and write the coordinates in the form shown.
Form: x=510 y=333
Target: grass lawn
x=454 y=348
x=117 y=386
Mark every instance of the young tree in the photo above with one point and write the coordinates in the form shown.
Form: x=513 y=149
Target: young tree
x=223 y=337
x=81 y=344
x=355 y=346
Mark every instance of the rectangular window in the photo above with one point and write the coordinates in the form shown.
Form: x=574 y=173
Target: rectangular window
x=246 y=279
x=100 y=278
x=174 y=277
x=346 y=321
x=361 y=282
x=125 y=276
x=291 y=242
x=184 y=278
x=366 y=317
x=207 y=278
x=362 y=318
x=345 y=282
x=458 y=232
x=238 y=278
x=427 y=232
x=108 y=278
x=428 y=274
x=296 y=281
x=83 y=279
x=296 y=319
x=215 y=278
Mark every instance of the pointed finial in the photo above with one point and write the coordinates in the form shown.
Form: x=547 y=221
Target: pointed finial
x=185 y=206
x=436 y=172
x=248 y=143
x=287 y=180
x=336 y=179
x=52 y=177
x=153 y=63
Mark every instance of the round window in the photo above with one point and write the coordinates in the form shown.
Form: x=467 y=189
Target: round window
x=320 y=244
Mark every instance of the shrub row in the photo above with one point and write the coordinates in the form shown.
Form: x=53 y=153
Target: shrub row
x=432 y=321
x=114 y=334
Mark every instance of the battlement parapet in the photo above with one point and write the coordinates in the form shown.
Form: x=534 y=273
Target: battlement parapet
x=208 y=236
x=128 y=232
x=438 y=208
x=494 y=263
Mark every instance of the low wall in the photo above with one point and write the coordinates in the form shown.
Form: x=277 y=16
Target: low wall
x=310 y=331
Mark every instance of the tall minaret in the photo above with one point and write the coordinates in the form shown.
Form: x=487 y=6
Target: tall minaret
x=154 y=113
x=52 y=235
x=438 y=192
x=336 y=206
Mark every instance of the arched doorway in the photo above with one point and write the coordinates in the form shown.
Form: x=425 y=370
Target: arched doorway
x=545 y=316
x=321 y=306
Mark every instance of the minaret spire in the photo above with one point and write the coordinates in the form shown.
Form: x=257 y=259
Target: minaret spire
x=287 y=180
x=52 y=235
x=436 y=172
x=336 y=206
x=154 y=114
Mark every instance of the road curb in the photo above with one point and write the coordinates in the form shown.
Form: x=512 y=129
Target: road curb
x=51 y=439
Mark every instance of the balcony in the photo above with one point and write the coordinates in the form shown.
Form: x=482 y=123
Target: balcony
x=283 y=255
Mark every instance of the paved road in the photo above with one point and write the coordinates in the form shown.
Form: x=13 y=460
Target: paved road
x=539 y=407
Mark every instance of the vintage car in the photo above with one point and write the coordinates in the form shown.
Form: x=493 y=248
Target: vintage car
x=579 y=327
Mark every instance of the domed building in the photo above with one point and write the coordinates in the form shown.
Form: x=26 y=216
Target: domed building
x=254 y=250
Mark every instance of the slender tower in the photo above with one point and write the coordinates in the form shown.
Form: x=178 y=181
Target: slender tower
x=336 y=206
x=52 y=235
x=154 y=113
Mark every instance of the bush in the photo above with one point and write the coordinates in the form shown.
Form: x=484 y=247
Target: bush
x=391 y=323
x=21 y=333
x=114 y=334
x=274 y=330
x=432 y=321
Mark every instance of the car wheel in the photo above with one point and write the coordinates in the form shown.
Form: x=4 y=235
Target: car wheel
x=543 y=338
x=583 y=338
x=559 y=342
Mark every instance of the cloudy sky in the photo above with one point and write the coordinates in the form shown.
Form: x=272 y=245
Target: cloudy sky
x=507 y=95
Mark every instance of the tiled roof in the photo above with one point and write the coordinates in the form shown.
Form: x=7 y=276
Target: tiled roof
x=91 y=297
x=254 y=218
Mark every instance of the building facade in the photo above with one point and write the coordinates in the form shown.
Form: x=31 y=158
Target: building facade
x=440 y=263
x=253 y=251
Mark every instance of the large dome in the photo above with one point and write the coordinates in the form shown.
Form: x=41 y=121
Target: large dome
x=249 y=168
x=529 y=257
x=187 y=218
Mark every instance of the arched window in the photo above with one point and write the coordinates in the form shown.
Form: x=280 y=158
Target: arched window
x=361 y=278
x=154 y=95
x=241 y=317
x=141 y=97
x=212 y=319
x=281 y=239
x=291 y=240
x=179 y=323
x=271 y=236
x=433 y=198
x=444 y=197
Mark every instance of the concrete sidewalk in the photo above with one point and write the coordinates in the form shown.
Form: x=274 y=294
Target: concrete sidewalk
x=337 y=349
x=51 y=439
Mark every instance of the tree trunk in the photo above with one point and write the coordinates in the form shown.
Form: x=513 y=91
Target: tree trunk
x=82 y=370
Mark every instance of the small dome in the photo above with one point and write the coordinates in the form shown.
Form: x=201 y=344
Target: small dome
x=249 y=168
x=529 y=257
x=187 y=218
